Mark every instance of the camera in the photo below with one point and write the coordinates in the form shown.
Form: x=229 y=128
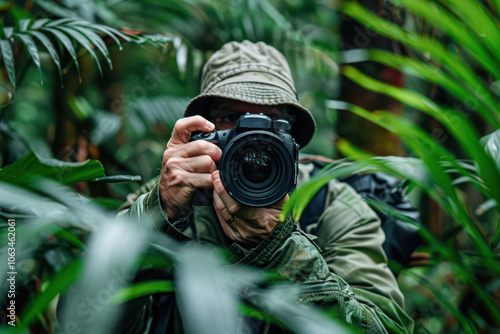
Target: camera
x=259 y=162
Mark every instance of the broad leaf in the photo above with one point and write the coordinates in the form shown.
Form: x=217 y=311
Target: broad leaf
x=31 y=166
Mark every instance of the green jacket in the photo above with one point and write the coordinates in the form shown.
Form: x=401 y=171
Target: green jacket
x=350 y=274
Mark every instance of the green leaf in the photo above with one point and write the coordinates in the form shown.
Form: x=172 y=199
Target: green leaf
x=50 y=48
x=453 y=26
x=486 y=206
x=487 y=105
x=476 y=16
x=23 y=24
x=59 y=22
x=83 y=41
x=301 y=196
x=67 y=44
x=8 y=60
x=97 y=40
x=432 y=154
x=8 y=31
x=491 y=144
x=461 y=128
x=31 y=166
x=111 y=32
x=62 y=281
x=108 y=203
x=32 y=50
x=141 y=289
x=39 y=23
x=53 y=8
x=456 y=67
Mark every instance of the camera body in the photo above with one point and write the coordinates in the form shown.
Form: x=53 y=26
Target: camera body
x=259 y=162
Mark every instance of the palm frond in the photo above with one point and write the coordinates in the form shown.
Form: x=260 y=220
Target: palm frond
x=68 y=32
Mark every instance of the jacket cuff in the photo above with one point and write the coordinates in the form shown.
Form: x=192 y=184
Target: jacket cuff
x=159 y=218
x=262 y=254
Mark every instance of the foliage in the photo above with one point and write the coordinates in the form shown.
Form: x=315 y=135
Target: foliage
x=435 y=170
x=68 y=241
x=118 y=121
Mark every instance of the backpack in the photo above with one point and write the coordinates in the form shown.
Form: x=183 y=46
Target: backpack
x=402 y=237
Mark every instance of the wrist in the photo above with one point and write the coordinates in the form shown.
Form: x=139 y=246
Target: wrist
x=176 y=211
x=261 y=230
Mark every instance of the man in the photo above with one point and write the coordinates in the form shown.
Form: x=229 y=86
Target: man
x=350 y=275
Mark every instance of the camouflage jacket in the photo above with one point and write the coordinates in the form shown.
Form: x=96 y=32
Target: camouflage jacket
x=343 y=267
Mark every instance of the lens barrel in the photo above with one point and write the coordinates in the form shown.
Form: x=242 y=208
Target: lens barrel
x=257 y=169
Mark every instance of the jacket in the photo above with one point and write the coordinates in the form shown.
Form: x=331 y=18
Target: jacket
x=342 y=268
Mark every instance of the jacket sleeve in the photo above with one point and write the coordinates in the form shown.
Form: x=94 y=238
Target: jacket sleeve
x=351 y=238
x=147 y=209
x=294 y=255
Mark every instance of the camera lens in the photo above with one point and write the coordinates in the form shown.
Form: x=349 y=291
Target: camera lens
x=257 y=169
x=256 y=165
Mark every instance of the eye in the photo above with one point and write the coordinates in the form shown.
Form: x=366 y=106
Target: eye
x=230 y=118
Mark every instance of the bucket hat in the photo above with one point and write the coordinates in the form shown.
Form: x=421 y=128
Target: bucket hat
x=253 y=73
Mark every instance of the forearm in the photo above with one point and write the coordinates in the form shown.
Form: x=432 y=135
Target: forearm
x=147 y=210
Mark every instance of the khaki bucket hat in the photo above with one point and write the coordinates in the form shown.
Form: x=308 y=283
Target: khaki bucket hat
x=254 y=73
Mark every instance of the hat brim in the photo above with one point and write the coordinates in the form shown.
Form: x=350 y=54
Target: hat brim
x=303 y=128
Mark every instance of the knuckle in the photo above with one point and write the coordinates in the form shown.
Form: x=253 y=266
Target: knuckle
x=166 y=156
x=177 y=177
x=171 y=163
x=179 y=123
x=201 y=145
x=206 y=162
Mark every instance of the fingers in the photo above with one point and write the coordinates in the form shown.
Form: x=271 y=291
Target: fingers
x=222 y=211
x=181 y=178
x=199 y=164
x=185 y=126
x=193 y=149
x=226 y=201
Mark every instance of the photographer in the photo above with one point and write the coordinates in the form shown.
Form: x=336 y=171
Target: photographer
x=350 y=275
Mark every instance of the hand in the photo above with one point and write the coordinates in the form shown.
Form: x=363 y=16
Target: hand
x=245 y=225
x=186 y=166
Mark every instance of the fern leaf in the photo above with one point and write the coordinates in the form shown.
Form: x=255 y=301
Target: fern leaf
x=97 y=41
x=80 y=38
x=50 y=48
x=66 y=41
x=32 y=50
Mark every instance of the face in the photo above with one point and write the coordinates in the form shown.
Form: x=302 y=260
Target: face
x=227 y=113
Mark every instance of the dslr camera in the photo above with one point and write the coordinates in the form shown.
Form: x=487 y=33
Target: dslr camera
x=259 y=162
